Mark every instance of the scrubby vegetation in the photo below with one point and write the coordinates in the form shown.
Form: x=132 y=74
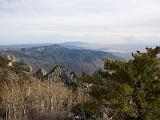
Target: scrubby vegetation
x=36 y=99
x=23 y=97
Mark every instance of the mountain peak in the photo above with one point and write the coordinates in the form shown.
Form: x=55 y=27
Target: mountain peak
x=61 y=74
x=59 y=68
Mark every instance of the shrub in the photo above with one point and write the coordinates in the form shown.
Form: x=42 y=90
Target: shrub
x=87 y=110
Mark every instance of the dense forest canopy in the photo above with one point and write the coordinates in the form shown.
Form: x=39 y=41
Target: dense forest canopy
x=128 y=90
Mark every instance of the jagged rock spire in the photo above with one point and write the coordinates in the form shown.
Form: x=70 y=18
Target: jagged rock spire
x=61 y=74
x=40 y=73
x=9 y=57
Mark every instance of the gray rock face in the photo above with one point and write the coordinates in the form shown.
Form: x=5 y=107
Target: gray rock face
x=61 y=74
x=10 y=64
x=29 y=68
x=41 y=73
x=9 y=57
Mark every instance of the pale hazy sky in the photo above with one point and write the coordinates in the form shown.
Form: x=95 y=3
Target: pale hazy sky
x=102 y=21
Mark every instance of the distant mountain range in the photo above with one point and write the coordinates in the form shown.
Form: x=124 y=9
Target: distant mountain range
x=120 y=50
x=49 y=56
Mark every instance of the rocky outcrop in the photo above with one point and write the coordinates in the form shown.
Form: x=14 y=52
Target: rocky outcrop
x=11 y=71
x=9 y=57
x=62 y=74
x=41 y=73
x=29 y=68
x=10 y=64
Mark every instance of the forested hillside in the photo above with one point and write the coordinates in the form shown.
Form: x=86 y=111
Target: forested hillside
x=47 y=57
